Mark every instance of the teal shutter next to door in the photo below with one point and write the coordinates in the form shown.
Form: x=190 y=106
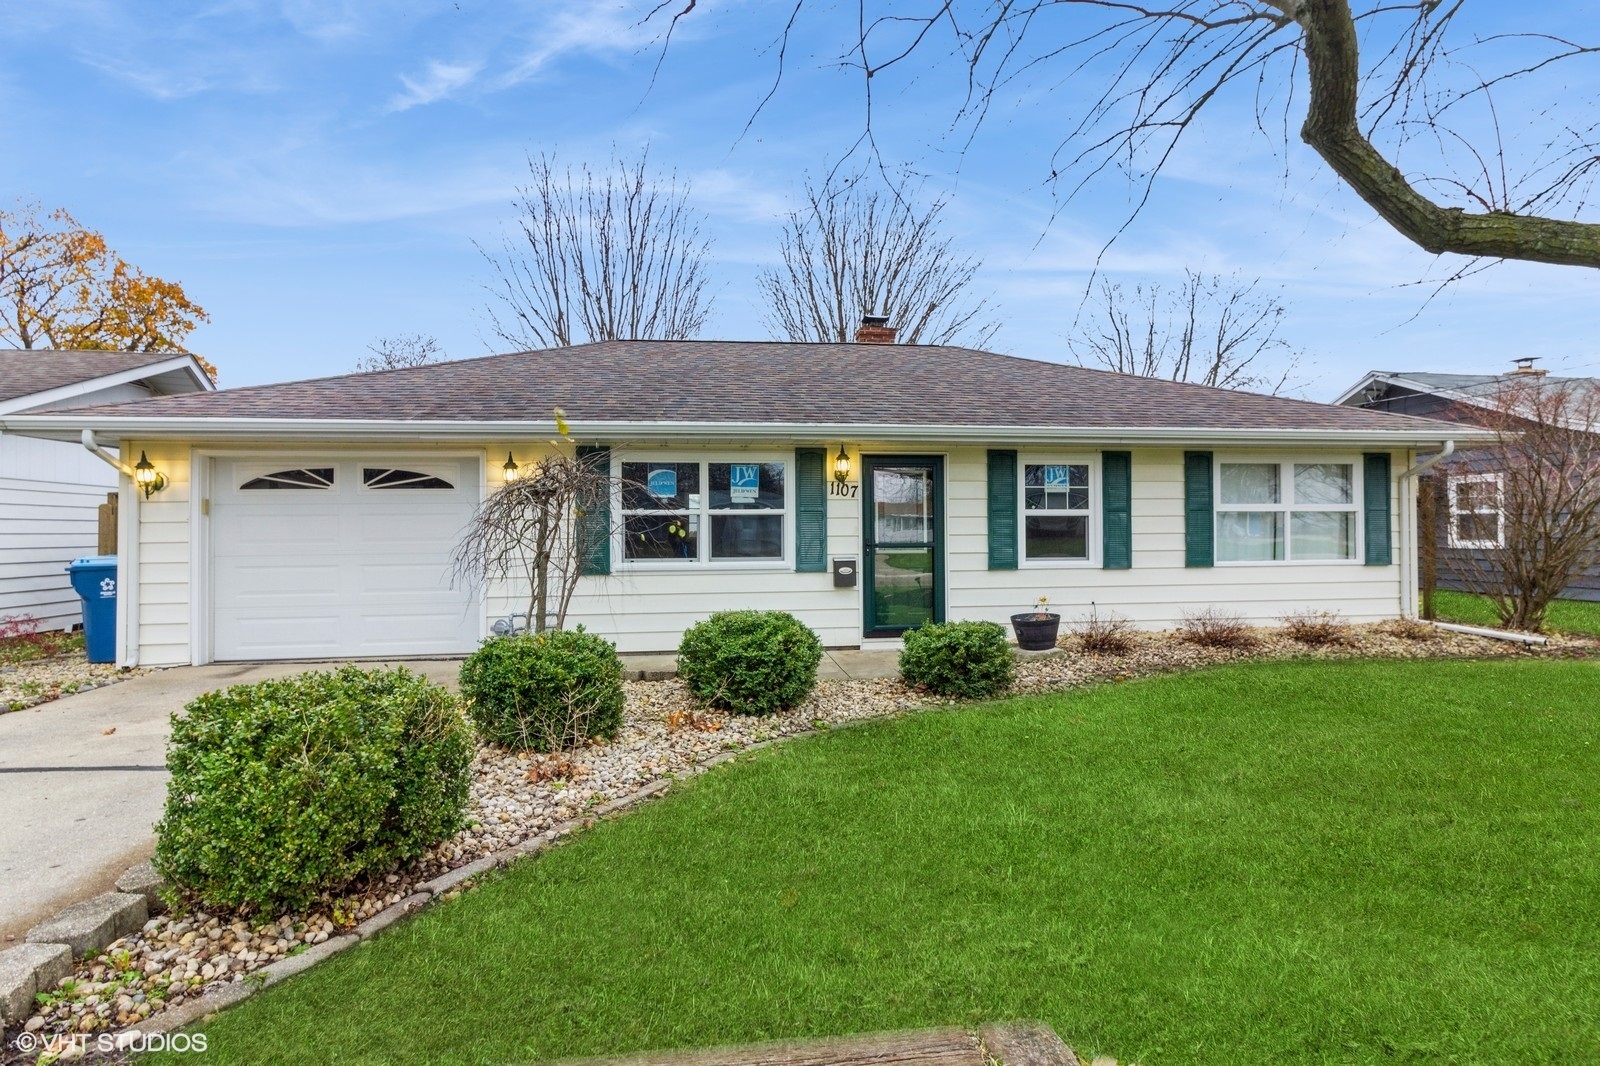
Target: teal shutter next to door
x=811 y=510
x=1002 y=510
x=594 y=512
x=1199 y=521
x=1375 y=490
x=1116 y=502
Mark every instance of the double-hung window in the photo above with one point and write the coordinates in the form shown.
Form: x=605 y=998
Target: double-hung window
x=1286 y=511
x=703 y=511
x=1477 y=512
x=1056 y=513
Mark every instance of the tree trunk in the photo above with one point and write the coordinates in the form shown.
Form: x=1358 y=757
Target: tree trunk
x=1428 y=541
x=1333 y=66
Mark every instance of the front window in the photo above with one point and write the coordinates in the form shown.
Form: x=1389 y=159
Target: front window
x=1055 y=511
x=1477 y=514
x=699 y=512
x=1276 y=512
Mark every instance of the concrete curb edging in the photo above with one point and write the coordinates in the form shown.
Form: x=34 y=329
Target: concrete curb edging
x=26 y=970
x=91 y=924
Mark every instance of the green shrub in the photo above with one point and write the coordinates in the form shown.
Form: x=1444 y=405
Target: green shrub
x=750 y=662
x=289 y=788
x=544 y=691
x=971 y=660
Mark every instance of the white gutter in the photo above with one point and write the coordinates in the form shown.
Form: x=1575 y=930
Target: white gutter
x=100 y=453
x=329 y=429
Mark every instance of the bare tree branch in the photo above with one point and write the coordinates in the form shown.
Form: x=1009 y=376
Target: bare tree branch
x=617 y=256
x=851 y=251
x=1211 y=331
x=401 y=351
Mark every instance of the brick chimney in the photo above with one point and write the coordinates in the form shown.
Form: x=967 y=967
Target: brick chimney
x=875 y=329
x=1524 y=366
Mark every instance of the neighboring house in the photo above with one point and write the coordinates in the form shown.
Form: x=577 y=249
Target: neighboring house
x=1471 y=522
x=316 y=519
x=50 y=491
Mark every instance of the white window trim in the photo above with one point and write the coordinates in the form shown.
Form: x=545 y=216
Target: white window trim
x=1045 y=458
x=1457 y=511
x=620 y=563
x=1286 y=464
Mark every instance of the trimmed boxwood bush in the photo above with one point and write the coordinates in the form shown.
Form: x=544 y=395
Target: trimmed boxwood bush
x=544 y=691
x=971 y=660
x=288 y=788
x=750 y=662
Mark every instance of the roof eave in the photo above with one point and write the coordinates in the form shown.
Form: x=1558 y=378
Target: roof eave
x=64 y=426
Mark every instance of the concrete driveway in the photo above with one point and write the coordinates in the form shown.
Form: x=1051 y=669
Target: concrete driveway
x=83 y=780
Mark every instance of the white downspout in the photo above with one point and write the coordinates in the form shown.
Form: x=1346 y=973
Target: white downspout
x=104 y=456
x=1410 y=536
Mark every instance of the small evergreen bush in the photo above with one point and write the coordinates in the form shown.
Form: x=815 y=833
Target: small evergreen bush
x=288 y=788
x=750 y=662
x=971 y=660
x=544 y=691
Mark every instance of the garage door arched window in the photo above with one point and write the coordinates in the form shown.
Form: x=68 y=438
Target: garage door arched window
x=305 y=477
x=377 y=477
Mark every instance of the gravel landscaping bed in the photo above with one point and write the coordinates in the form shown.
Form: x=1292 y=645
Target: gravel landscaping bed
x=665 y=733
x=37 y=681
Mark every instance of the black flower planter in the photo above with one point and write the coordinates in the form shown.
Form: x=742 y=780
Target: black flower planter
x=1036 y=631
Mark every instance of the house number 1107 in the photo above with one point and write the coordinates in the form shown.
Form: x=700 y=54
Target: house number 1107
x=839 y=488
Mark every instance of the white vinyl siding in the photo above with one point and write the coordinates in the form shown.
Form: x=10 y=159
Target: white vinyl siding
x=50 y=493
x=648 y=610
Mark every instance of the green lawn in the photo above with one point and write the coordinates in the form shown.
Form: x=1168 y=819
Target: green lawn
x=1565 y=616
x=1292 y=862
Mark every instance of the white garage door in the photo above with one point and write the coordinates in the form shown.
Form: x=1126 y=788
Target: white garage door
x=319 y=558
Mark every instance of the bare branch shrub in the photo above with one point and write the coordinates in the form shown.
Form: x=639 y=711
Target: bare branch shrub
x=533 y=528
x=1547 y=460
x=1215 y=628
x=1317 y=629
x=1210 y=330
x=852 y=250
x=1106 y=634
x=600 y=257
x=400 y=352
x=1410 y=629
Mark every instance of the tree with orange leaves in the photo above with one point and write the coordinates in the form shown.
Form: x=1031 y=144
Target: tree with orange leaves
x=61 y=286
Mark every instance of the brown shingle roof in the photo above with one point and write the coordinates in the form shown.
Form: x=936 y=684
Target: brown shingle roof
x=758 y=381
x=28 y=371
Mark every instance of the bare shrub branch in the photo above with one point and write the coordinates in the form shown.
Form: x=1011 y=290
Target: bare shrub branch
x=1547 y=459
x=400 y=352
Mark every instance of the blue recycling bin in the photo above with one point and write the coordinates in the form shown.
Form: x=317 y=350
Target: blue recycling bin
x=94 y=578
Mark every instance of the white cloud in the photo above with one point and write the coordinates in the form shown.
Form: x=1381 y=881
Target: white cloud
x=440 y=81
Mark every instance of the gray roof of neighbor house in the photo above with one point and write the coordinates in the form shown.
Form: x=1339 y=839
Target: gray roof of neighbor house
x=33 y=371
x=1482 y=390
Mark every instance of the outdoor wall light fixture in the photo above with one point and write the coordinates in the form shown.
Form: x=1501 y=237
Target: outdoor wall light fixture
x=509 y=471
x=841 y=466
x=148 y=477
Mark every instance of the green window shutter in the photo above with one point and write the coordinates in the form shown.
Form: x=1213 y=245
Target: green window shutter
x=811 y=510
x=1002 y=510
x=1199 y=523
x=594 y=513
x=1375 y=489
x=1116 y=501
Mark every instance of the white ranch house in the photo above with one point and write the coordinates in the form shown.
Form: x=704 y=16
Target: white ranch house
x=51 y=491
x=316 y=519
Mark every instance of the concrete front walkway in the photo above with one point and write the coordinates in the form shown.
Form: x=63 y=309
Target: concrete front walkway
x=83 y=779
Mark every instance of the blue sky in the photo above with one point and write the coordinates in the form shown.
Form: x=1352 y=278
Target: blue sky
x=315 y=174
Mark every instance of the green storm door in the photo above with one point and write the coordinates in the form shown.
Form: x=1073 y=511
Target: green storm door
x=902 y=542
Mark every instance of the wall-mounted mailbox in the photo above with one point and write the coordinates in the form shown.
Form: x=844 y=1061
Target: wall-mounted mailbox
x=844 y=573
